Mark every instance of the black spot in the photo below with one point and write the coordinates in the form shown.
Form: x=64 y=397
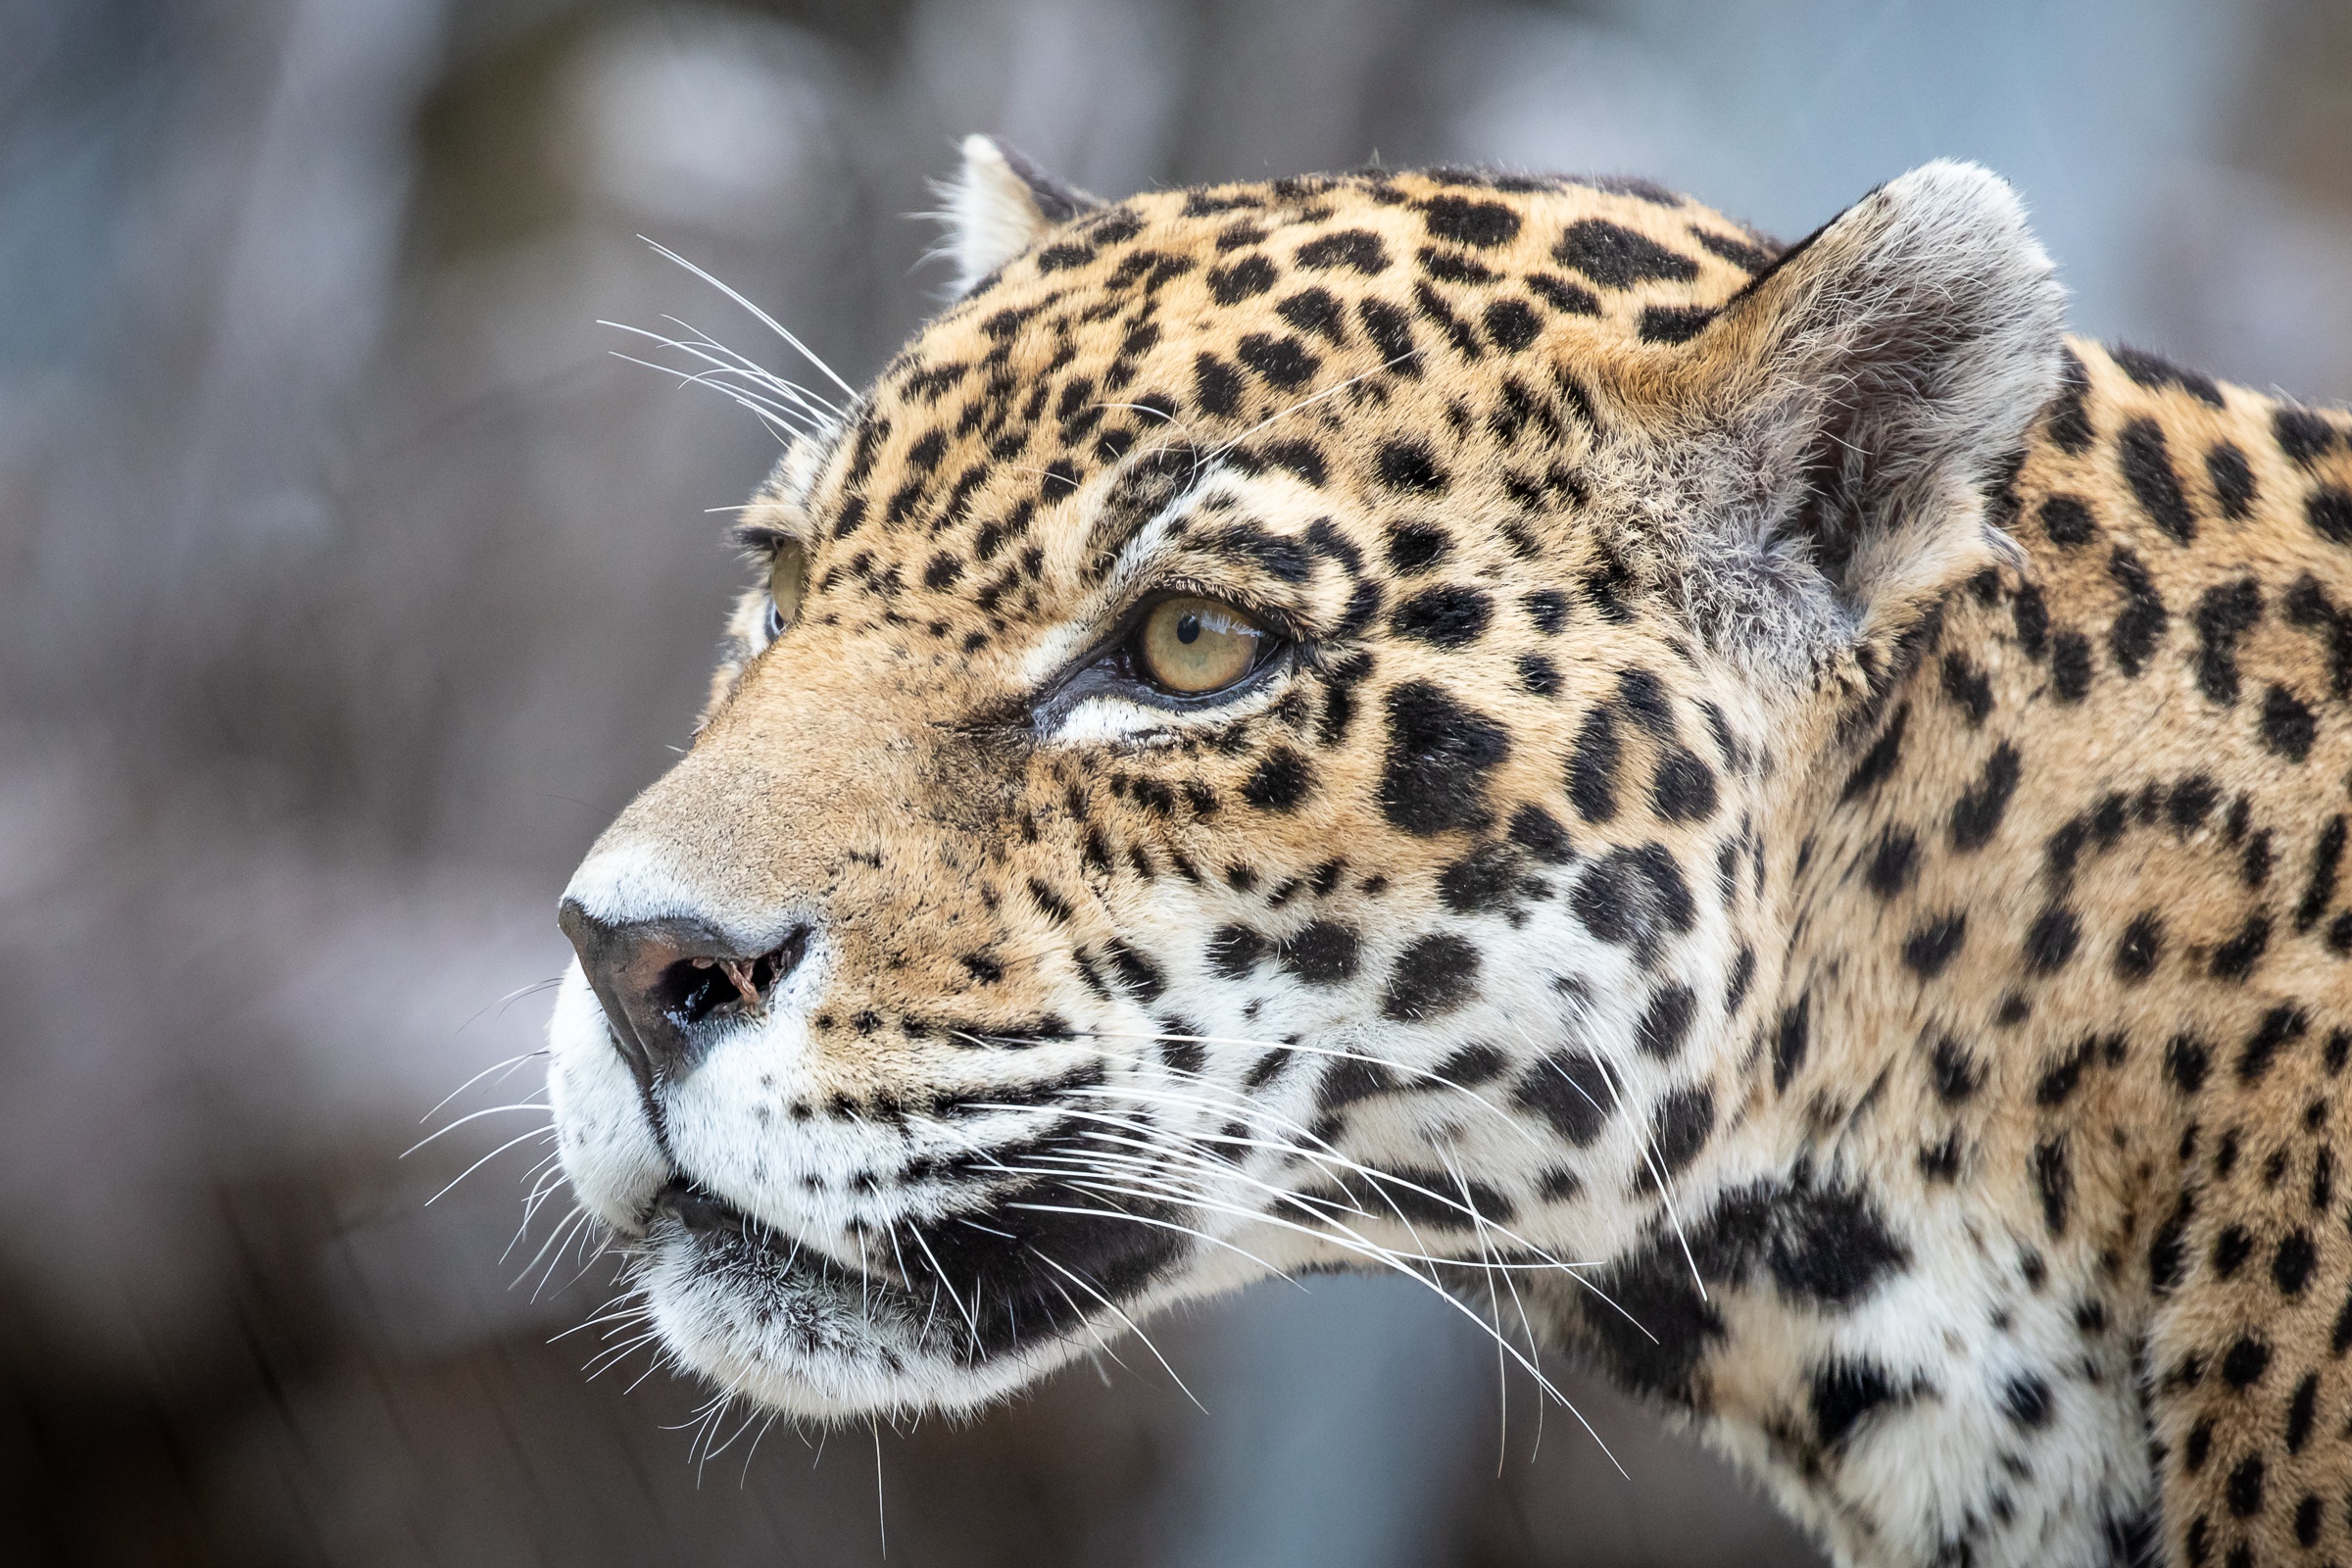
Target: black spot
x=1673 y=324
x=2232 y=480
x=1616 y=257
x=2186 y=1060
x=2287 y=725
x=2140 y=626
x=1539 y=675
x=1977 y=814
x=1928 y=949
x=1968 y=688
x=1316 y=311
x=2280 y=1027
x=2064 y=1075
x=2069 y=418
x=1282 y=780
x=1470 y=222
x=1235 y=950
x=2027 y=1400
x=1747 y=258
x=1511 y=324
x=2029 y=612
x=1843 y=1392
x=1217 y=386
x=1744 y=972
x=2235 y=958
x=1351 y=1079
x=2149 y=469
x=1792 y=1037
x=2329 y=511
x=2067 y=520
x=1592 y=766
x=2292 y=1263
x=1684 y=790
x=1538 y=832
x=1880 y=761
x=1823 y=1244
x=1548 y=609
x=1571 y=1091
x=1392 y=333
x=2326 y=855
x=1957 y=1074
x=2070 y=665
x=1892 y=863
x=1136 y=971
x=2054 y=1181
x=2299 y=1412
x=1486 y=879
x=2302 y=434
x=1473 y=1065
x=1056 y=258
x=1680 y=1129
x=1324 y=953
x=1434 y=777
x=1241 y=280
x=2245 y=1362
x=2165 y=1258
x=2155 y=373
x=1283 y=359
x=2223 y=615
x=1356 y=248
x=1445 y=616
x=1411 y=465
x=1666 y=1022
x=1415 y=547
x=1630 y=896
x=2051 y=939
x=1570 y=299
x=1434 y=975
x=2142 y=943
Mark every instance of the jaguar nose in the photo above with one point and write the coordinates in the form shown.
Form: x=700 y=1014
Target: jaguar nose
x=670 y=987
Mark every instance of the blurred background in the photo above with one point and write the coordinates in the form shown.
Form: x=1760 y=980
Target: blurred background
x=348 y=584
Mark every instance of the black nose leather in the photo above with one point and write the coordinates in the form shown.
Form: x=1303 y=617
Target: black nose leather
x=670 y=987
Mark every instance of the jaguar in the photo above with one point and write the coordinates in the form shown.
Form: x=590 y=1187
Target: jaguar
x=1757 y=815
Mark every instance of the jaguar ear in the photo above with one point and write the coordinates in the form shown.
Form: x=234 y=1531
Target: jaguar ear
x=1866 y=388
x=998 y=205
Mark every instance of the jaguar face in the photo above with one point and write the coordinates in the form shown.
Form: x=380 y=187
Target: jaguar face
x=1253 y=747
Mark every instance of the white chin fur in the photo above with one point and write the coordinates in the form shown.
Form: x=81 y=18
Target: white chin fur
x=813 y=1348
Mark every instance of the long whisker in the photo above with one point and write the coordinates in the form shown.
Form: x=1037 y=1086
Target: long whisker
x=760 y=316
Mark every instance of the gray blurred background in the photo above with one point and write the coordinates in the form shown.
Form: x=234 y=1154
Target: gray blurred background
x=348 y=584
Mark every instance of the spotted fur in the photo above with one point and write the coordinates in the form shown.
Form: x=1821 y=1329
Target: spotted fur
x=1791 y=785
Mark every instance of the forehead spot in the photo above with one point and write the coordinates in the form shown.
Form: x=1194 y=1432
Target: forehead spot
x=1471 y=222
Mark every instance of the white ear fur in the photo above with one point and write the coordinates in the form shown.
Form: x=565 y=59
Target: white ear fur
x=1870 y=385
x=996 y=206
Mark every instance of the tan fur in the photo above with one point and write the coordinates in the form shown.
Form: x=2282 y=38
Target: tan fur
x=2046 y=1194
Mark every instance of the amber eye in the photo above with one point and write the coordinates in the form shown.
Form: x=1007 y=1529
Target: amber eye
x=787 y=580
x=1193 y=646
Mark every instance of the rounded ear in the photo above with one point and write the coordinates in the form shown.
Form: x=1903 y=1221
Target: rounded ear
x=1859 y=396
x=996 y=205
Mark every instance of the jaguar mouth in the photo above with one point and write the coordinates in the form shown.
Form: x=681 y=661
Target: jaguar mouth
x=943 y=1310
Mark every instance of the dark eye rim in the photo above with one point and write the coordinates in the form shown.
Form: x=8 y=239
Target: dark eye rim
x=1114 y=666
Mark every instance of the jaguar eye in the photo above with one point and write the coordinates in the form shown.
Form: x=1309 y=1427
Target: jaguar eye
x=1191 y=646
x=787 y=581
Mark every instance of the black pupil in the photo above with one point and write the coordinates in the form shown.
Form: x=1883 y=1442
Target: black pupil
x=1187 y=628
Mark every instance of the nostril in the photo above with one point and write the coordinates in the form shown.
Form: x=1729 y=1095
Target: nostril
x=698 y=990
